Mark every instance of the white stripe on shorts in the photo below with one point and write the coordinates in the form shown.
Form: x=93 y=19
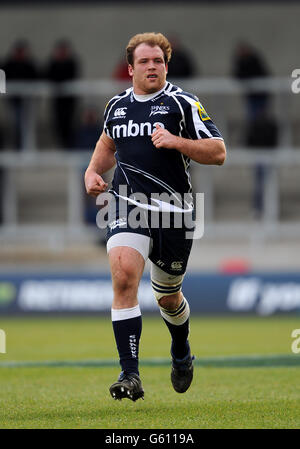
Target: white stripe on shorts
x=139 y=242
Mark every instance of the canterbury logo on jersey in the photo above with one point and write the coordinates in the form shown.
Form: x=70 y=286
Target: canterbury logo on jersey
x=120 y=113
x=132 y=129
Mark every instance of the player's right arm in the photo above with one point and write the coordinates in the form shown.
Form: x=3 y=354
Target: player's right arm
x=102 y=160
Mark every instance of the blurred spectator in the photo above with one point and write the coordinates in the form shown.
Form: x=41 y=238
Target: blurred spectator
x=181 y=64
x=262 y=133
x=19 y=66
x=248 y=64
x=121 y=71
x=1 y=137
x=62 y=67
x=1 y=180
x=261 y=129
x=2 y=174
x=89 y=130
x=86 y=137
x=1 y=194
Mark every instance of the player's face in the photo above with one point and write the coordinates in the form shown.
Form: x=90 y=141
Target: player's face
x=149 y=69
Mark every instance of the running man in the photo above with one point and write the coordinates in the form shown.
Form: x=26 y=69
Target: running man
x=151 y=131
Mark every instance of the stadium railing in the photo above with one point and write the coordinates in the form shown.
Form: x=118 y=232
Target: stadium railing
x=74 y=227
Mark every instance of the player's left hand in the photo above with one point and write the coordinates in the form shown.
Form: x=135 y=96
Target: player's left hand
x=162 y=138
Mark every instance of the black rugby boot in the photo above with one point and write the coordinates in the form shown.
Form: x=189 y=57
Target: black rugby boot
x=182 y=373
x=128 y=386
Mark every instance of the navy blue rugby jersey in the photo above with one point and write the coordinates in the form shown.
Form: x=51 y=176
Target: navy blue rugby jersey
x=130 y=123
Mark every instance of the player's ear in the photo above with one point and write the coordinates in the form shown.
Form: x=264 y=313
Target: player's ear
x=130 y=69
x=166 y=67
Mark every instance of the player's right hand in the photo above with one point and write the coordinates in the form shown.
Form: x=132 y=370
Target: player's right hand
x=94 y=183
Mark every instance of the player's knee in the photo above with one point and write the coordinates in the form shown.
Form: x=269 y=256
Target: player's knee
x=170 y=302
x=126 y=268
x=125 y=280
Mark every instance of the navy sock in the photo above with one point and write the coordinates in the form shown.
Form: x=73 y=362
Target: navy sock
x=127 y=335
x=178 y=325
x=180 y=345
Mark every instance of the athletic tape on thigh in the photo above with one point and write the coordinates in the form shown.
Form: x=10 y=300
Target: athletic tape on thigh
x=164 y=284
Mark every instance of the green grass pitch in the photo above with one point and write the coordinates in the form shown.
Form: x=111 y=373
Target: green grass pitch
x=225 y=393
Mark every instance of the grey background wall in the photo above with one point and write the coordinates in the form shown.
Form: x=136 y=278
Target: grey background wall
x=100 y=33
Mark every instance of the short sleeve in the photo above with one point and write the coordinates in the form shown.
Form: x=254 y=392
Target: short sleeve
x=198 y=123
x=106 y=114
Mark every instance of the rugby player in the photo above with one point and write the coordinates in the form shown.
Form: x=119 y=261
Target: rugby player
x=151 y=131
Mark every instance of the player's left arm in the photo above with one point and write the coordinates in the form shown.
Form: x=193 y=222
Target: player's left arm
x=210 y=151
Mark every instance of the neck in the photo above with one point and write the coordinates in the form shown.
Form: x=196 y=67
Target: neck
x=140 y=93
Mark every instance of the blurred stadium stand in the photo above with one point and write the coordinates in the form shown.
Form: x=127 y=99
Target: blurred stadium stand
x=44 y=199
x=44 y=207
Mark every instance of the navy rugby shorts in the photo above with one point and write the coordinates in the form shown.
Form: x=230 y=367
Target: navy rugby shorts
x=169 y=247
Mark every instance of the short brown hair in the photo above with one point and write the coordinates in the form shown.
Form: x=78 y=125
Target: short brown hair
x=151 y=39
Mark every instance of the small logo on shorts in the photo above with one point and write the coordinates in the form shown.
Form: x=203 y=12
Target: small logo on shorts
x=160 y=263
x=120 y=222
x=176 y=266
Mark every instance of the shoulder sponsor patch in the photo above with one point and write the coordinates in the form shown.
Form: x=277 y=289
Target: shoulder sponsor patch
x=202 y=112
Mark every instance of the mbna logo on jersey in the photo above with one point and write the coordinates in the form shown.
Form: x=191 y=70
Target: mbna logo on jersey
x=120 y=113
x=132 y=129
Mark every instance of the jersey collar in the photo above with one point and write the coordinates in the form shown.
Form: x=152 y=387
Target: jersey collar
x=147 y=97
